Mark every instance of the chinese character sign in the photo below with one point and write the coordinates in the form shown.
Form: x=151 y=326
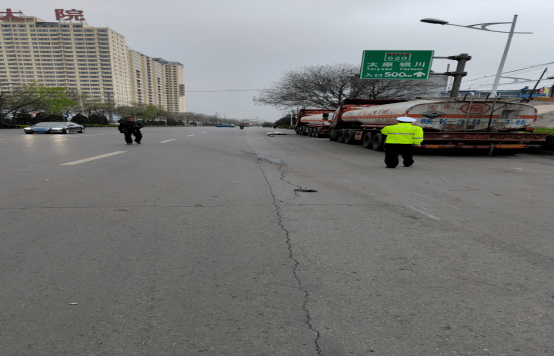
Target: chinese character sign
x=403 y=65
x=9 y=14
x=68 y=15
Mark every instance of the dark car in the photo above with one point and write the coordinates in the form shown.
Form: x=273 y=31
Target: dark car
x=55 y=127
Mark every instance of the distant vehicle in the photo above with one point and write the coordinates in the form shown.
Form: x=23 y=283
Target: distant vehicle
x=54 y=127
x=225 y=126
x=314 y=122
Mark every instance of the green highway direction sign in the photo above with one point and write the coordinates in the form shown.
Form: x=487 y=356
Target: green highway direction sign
x=404 y=65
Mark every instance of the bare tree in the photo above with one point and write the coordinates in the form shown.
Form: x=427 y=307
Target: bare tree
x=327 y=86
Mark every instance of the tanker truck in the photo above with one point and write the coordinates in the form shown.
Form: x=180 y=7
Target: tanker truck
x=448 y=123
x=313 y=122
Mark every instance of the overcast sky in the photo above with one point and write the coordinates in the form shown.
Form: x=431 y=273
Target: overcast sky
x=235 y=45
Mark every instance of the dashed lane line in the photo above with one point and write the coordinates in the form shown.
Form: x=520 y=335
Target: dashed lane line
x=94 y=158
x=161 y=142
x=424 y=213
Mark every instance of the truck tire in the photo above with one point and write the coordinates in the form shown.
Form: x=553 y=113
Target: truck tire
x=366 y=140
x=349 y=137
x=304 y=131
x=333 y=135
x=340 y=137
x=377 y=142
x=317 y=133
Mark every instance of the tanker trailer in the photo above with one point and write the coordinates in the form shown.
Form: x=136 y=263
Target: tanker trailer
x=447 y=123
x=313 y=122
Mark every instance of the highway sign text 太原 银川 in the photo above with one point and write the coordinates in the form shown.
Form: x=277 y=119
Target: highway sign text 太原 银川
x=404 y=65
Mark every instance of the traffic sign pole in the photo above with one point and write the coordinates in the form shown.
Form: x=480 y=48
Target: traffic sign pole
x=458 y=75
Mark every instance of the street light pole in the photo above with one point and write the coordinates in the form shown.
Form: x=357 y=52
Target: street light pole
x=503 y=60
x=483 y=27
x=109 y=94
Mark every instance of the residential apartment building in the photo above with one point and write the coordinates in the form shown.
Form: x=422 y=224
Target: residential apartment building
x=91 y=60
x=148 y=81
x=175 y=85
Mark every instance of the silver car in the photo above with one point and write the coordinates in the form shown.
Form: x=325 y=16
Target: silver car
x=54 y=127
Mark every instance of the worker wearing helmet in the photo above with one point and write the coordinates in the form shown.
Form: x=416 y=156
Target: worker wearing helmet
x=401 y=139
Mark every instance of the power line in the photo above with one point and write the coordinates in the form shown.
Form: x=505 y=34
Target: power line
x=517 y=70
x=224 y=90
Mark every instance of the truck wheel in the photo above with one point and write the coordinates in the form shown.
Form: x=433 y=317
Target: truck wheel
x=377 y=142
x=366 y=141
x=304 y=131
x=349 y=137
x=317 y=133
x=340 y=137
x=333 y=135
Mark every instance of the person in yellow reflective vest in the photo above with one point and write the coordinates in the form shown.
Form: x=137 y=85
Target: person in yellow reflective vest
x=401 y=139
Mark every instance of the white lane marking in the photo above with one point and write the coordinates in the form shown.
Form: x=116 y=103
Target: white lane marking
x=424 y=213
x=93 y=158
x=429 y=198
x=161 y=142
x=191 y=135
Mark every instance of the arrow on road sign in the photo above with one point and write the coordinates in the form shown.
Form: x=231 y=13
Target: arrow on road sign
x=368 y=75
x=419 y=74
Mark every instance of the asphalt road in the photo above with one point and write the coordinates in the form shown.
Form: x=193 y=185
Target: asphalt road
x=197 y=243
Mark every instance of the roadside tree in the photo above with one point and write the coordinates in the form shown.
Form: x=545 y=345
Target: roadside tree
x=326 y=86
x=16 y=103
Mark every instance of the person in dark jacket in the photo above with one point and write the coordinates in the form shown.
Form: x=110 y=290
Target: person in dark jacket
x=129 y=128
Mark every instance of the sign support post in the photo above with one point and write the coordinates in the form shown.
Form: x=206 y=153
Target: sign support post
x=458 y=74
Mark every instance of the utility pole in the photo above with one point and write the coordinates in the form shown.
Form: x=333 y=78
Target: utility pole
x=109 y=94
x=535 y=87
x=458 y=74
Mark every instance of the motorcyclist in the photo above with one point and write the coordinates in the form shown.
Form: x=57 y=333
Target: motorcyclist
x=129 y=128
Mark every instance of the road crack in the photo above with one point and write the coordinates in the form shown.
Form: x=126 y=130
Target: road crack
x=291 y=255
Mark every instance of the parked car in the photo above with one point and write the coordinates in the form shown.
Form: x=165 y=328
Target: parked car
x=54 y=127
x=225 y=126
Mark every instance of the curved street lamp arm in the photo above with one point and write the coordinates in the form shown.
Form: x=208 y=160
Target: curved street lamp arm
x=485 y=25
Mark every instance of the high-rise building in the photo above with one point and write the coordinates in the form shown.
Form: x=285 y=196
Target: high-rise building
x=175 y=85
x=148 y=81
x=91 y=60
